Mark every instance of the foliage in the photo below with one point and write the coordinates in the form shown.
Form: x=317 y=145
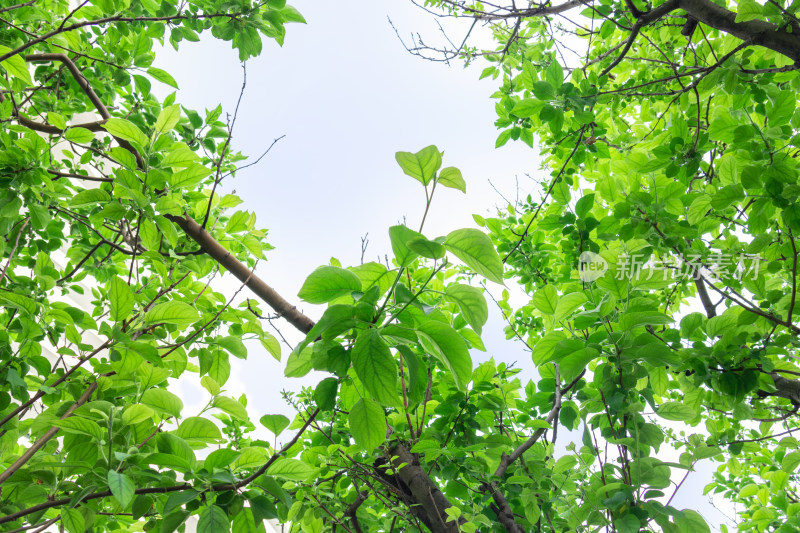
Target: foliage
x=106 y=293
x=670 y=140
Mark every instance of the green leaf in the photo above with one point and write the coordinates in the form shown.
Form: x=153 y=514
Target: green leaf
x=718 y=325
x=470 y=302
x=189 y=176
x=421 y=166
x=426 y=248
x=234 y=345
x=325 y=394
x=89 y=197
x=163 y=401
x=689 y=521
x=527 y=108
x=747 y=10
x=476 y=250
x=447 y=345
x=544 y=349
x=790 y=462
x=546 y=299
x=290 y=469
x=328 y=283
x=162 y=76
x=121 y=299
x=543 y=90
x=373 y=273
x=574 y=363
x=698 y=209
x=375 y=367
x=568 y=303
x=135 y=414
x=180 y=155
x=336 y=319
x=121 y=487
x=168 y=118
x=367 y=424
x=252 y=457
x=220 y=458
x=217 y=365
x=676 y=411
x=780 y=107
x=213 y=520
x=79 y=135
x=173 y=312
x=628 y=523
x=195 y=428
x=704 y=452
x=299 y=363
x=451 y=177
x=554 y=74
x=175 y=519
x=18 y=301
x=17 y=67
x=564 y=464
x=275 y=423
x=126 y=130
x=178 y=499
x=271 y=344
x=634 y=319
x=584 y=205
x=57 y=120
x=290 y=14
x=659 y=380
x=400 y=236
x=79 y=425
x=72 y=520
x=210 y=385
x=748 y=490
x=262 y=507
x=230 y=406
x=726 y=196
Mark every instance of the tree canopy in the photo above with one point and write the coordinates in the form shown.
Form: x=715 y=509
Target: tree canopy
x=658 y=263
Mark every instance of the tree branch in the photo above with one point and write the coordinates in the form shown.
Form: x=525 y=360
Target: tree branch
x=424 y=491
x=216 y=251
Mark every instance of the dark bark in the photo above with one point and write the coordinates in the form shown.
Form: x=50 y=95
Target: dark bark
x=702 y=292
x=756 y=32
x=216 y=251
x=423 y=490
x=787 y=388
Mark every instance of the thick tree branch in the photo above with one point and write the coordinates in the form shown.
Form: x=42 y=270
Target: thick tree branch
x=361 y=497
x=787 y=388
x=756 y=32
x=238 y=269
x=76 y=73
x=208 y=244
x=424 y=491
x=705 y=299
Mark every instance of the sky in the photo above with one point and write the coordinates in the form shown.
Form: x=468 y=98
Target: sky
x=347 y=95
